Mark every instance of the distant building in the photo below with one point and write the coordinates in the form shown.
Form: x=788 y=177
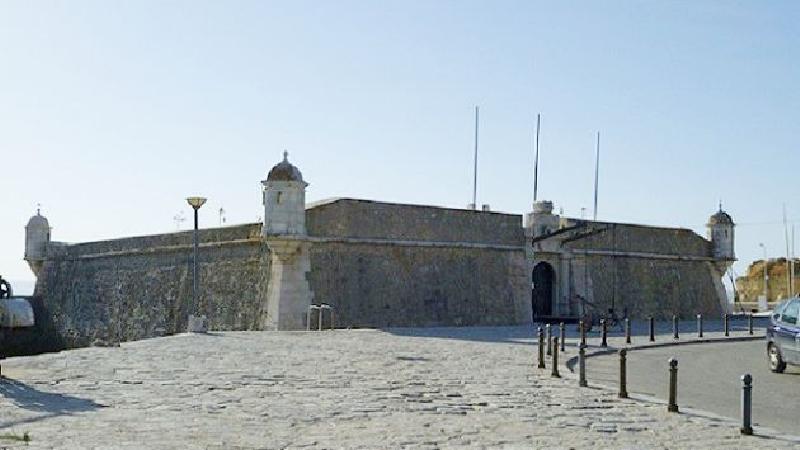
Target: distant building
x=378 y=264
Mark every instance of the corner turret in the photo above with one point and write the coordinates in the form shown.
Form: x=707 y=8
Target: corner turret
x=37 y=236
x=720 y=233
x=288 y=294
x=284 y=200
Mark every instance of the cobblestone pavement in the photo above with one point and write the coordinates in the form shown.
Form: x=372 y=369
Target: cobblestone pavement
x=422 y=388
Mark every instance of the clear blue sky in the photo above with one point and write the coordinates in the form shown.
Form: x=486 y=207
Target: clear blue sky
x=111 y=113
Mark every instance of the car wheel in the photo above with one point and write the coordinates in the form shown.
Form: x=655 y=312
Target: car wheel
x=776 y=362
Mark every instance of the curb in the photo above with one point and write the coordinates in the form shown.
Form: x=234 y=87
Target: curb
x=572 y=361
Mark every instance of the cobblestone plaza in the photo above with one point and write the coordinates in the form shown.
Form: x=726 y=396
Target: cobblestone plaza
x=421 y=388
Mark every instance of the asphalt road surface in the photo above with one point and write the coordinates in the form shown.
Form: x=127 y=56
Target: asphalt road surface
x=709 y=379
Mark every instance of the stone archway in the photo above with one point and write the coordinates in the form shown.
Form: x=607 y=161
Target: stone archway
x=543 y=284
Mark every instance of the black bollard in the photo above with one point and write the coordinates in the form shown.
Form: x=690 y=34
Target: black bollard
x=673 y=385
x=582 y=366
x=582 y=330
x=652 y=329
x=747 y=404
x=623 y=378
x=549 y=337
x=604 y=341
x=555 y=373
x=540 y=334
x=627 y=330
x=700 y=325
x=750 y=323
x=562 y=332
x=727 y=325
x=675 y=327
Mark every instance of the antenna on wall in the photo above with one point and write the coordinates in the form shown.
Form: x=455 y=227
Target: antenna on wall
x=475 y=165
x=179 y=219
x=536 y=159
x=596 y=173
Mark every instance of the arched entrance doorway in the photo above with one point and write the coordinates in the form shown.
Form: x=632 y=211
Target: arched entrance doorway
x=543 y=279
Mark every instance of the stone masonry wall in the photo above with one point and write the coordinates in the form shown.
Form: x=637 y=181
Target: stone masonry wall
x=644 y=239
x=348 y=218
x=135 y=288
x=399 y=285
x=649 y=286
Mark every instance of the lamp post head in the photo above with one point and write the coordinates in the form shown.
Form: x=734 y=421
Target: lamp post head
x=196 y=202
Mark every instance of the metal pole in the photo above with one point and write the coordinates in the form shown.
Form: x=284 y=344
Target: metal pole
x=788 y=264
x=791 y=271
x=194 y=266
x=747 y=405
x=319 y=317
x=766 y=278
x=623 y=380
x=727 y=325
x=673 y=385
x=627 y=330
x=562 y=333
x=536 y=160
x=549 y=332
x=555 y=373
x=596 y=174
x=652 y=329
x=604 y=341
x=582 y=329
x=699 y=325
x=475 y=168
x=540 y=334
x=750 y=323
x=582 y=366
x=675 y=327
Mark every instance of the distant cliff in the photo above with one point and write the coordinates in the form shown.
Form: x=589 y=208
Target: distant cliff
x=750 y=286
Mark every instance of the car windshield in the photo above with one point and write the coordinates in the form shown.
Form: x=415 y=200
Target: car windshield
x=789 y=314
x=776 y=313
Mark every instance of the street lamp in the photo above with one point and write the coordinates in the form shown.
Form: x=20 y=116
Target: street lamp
x=766 y=277
x=192 y=326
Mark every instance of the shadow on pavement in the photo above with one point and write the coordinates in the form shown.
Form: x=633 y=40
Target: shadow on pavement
x=51 y=404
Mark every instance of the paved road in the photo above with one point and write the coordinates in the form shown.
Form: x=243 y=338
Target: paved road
x=709 y=379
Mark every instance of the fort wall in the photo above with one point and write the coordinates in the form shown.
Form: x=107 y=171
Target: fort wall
x=658 y=288
x=416 y=285
x=364 y=219
x=648 y=271
x=643 y=239
x=133 y=288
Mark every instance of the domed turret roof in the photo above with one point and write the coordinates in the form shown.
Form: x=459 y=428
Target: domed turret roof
x=720 y=218
x=285 y=171
x=38 y=221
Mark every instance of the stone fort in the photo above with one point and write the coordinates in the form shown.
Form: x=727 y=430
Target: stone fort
x=379 y=265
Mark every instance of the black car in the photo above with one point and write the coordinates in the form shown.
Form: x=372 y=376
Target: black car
x=783 y=336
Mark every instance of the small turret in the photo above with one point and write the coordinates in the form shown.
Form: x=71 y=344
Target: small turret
x=284 y=200
x=720 y=233
x=542 y=220
x=37 y=236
